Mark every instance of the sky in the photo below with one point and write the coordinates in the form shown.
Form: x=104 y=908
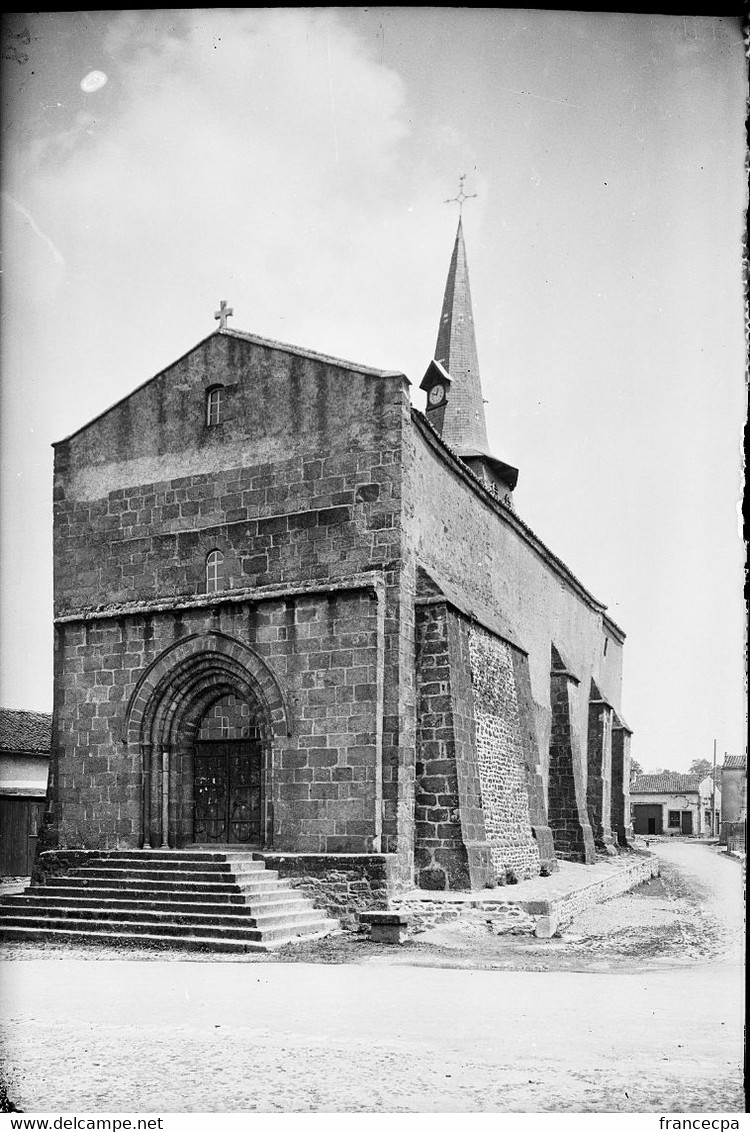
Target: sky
x=297 y=163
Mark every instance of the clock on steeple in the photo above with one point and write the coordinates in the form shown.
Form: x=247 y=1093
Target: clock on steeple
x=436 y=384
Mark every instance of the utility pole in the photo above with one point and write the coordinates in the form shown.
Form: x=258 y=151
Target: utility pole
x=713 y=796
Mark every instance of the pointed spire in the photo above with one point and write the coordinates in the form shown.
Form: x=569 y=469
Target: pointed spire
x=464 y=426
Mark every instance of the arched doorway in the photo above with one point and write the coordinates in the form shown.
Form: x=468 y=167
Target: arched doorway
x=205 y=716
x=228 y=779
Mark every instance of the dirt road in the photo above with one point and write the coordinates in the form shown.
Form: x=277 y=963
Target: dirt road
x=386 y=1035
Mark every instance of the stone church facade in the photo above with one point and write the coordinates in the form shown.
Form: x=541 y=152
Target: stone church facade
x=296 y=614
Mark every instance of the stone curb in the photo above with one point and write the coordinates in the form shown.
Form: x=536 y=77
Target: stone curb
x=543 y=917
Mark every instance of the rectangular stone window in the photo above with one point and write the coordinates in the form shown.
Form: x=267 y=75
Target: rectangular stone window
x=673 y=820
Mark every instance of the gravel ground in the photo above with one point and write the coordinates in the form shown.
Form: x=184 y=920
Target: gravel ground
x=633 y=1008
x=189 y=1037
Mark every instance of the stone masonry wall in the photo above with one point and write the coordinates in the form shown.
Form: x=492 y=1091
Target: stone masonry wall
x=534 y=764
x=150 y=541
x=568 y=816
x=631 y=873
x=299 y=488
x=501 y=917
x=599 y=770
x=324 y=787
x=519 y=916
x=488 y=563
x=621 y=825
x=449 y=825
x=344 y=884
x=228 y=719
x=500 y=754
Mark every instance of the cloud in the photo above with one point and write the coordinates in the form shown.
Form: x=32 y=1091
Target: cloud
x=279 y=111
x=238 y=146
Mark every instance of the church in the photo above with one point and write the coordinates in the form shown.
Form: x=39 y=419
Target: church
x=297 y=616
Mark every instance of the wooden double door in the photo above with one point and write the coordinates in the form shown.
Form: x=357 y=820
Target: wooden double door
x=228 y=792
x=20 y=822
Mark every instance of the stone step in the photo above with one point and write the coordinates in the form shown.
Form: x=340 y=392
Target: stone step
x=153 y=865
x=243 y=919
x=169 y=930
x=198 y=862
x=96 y=895
x=63 y=888
x=127 y=884
x=259 y=884
x=43 y=898
x=169 y=875
x=171 y=855
x=202 y=899
x=41 y=934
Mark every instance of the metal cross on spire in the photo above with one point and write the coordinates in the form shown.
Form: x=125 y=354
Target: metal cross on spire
x=223 y=313
x=461 y=196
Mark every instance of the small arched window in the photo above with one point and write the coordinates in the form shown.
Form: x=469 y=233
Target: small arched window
x=214 y=572
x=215 y=405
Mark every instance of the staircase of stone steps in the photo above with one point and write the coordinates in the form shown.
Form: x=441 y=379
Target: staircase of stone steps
x=202 y=900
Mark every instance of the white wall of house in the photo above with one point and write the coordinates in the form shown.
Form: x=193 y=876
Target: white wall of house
x=708 y=798
x=673 y=806
x=23 y=773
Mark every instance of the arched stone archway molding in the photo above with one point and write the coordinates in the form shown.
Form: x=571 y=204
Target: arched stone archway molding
x=174 y=715
x=164 y=714
x=160 y=690
x=177 y=719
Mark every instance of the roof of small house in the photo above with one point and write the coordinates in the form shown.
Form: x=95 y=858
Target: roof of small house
x=25 y=730
x=665 y=784
x=734 y=762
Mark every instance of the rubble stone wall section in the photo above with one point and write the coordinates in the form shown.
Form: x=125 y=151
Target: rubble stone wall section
x=497 y=916
x=451 y=851
x=522 y=916
x=344 y=884
x=500 y=754
x=440 y=859
x=633 y=873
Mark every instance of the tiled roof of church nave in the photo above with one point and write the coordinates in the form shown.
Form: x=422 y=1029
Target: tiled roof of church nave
x=447 y=452
x=25 y=730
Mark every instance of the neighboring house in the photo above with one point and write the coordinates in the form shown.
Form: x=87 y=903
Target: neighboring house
x=733 y=792
x=24 y=763
x=674 y=804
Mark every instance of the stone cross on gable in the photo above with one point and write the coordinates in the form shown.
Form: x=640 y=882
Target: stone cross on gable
x=223 y=313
